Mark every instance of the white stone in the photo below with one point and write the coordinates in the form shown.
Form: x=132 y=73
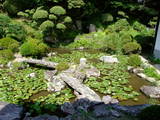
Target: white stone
x=83 y=61
x=32 y=75
x=109 y=59
x=106 y=99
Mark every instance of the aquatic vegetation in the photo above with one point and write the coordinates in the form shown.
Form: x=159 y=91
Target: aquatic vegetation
x=50 y=102
x=113 y=81
x=16 y=86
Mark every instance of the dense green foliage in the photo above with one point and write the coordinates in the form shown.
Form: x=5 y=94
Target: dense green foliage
x=10 y=28
x=9 y=43
x=134 y=60
x=6 y=56
x=151 y=72
x=33 y=47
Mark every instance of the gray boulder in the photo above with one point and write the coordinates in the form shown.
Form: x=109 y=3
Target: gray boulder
x=151 y=91
x=10 y=111
x=131 y=110
x=108 y=99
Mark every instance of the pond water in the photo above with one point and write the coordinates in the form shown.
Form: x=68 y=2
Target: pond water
x=137 y=82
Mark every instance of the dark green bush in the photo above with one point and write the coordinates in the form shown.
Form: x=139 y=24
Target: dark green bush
x=33 y=47
x=150 y=113
x=6 y=56
x=131 y=47
x=9 y=43
x=134 y=60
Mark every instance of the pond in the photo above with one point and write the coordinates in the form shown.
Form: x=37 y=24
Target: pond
x=137 y=82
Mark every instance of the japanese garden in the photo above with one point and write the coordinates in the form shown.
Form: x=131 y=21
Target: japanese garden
x=79 y=59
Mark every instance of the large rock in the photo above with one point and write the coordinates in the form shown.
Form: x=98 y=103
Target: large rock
x=109 y=59
x=10 y=111
x=151 y=91
x=131 y=110
x=45 y=117
x=79 y=87
x=55 y=83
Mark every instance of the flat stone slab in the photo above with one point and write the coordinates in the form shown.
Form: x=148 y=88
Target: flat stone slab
x=80 y=87
x=151 y=91
x=157 y=66
x=10 y=111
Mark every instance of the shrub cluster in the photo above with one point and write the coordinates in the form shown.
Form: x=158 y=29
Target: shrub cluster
x=33 y=47
x=9 y=43
x=134 y=60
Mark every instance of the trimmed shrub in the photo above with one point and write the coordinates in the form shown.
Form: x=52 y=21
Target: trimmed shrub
x=150 y=113
x=60 y=26
x=131 y=47
x=62 y=66
x=134 y=60
x=6 y=56
x=33 y=47
x=46 y=25
x=52 y=17
x=58 y=10
x=40 y=14
x=9 y=43
x=67 y=19
x=106 y=18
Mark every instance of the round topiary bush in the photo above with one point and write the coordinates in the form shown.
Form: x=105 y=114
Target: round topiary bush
x=6 y=56
x=58 y=10
x=134 y=60
x=60 y=26
x=150 y=113
x=9 y=43
x=131 y=47
x=33 y=47
x=67 y=19
x=40 y=14
x=52 y=17
x=46 y=25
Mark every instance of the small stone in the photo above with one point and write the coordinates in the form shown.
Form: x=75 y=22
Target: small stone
x=32 y=75
x=45 y=117
x=83 y=61
x=114 y=101
x=107 y=99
